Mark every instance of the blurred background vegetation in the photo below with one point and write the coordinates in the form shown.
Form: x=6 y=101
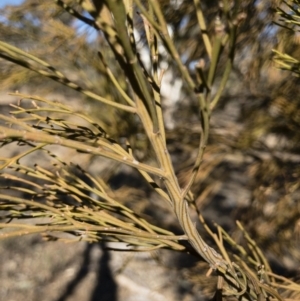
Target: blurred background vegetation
x=251 y=167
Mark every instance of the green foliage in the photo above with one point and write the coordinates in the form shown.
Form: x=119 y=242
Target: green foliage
x=289 y=21
x=121 y=118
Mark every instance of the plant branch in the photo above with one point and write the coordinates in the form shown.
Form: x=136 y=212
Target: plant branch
x=14 y=55
x=39 y=136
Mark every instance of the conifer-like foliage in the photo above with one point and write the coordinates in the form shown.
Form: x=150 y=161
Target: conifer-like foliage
x=90 y=79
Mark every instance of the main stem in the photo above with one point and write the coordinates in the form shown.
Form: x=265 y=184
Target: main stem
x=178 y=203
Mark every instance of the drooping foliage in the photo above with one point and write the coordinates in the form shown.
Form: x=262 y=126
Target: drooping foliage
x=228 y=141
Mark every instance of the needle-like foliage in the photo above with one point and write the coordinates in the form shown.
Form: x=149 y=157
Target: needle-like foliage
x=57 y=197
